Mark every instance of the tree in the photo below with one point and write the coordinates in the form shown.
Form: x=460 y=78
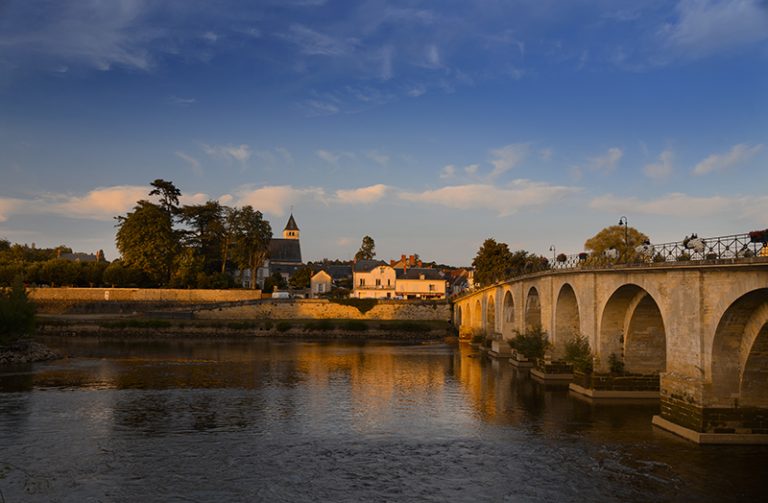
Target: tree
x=147 y=241
x=367 y=249
x=492 y=263
x=301 y=278
x=169 y=195
x=207 y=230
x=17 y=313
x=252 y=237
x=495 y=262
x=275 y=281
x=613 y=237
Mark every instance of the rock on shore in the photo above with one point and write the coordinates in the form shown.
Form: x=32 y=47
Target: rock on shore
x=26 y=352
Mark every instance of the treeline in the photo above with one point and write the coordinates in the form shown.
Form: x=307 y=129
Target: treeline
x=191 y=246
x=163 y=244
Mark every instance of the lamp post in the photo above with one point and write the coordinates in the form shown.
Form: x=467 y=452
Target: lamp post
x=623 y=221
x=554 y=251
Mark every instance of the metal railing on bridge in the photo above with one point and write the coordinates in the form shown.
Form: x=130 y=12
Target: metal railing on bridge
x=752 y=244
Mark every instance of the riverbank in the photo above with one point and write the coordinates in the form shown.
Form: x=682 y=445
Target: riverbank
x=131 y=327
x=26 y=351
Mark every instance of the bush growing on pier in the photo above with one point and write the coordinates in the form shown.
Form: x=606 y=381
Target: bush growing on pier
x=578 y=353
x=532 y=343
x=362 y=305
x=354 y=326
x=319 y=325
x=283 y=326
x=615 y=364
x=17 y=313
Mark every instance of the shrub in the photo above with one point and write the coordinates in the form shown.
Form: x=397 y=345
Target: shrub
x=242 y=325
x=354 y=326
x=283 y=326
x=268 y=325
x=683 y=257
x=136 y=323
x=578 y=353
x=17 y=313
x=615 y=364
x=319 y=325
x=477 y=338
x=531 y=344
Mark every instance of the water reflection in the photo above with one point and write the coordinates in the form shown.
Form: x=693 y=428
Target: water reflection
x=306 y=421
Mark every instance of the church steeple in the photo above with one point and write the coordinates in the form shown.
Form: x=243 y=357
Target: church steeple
x=291 y=230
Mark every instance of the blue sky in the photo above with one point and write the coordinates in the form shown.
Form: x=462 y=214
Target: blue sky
x=429 y=126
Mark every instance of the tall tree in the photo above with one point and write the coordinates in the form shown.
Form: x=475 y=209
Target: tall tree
x=495 y=262
x=205 y=233
x=252 y=237
x=613 y=237
x=169 y=195
x=147 y=241
x=367 y=249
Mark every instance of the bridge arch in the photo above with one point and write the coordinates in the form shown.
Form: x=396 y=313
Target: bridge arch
x=632 y=328
x=740 y=353
x=508 y=313
x=567 y=319
x=532 y=309
x=490 y=314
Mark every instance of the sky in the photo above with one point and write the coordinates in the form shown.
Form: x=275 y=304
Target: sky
x=430 y=126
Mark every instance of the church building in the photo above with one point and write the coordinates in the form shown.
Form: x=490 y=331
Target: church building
x=284 y=254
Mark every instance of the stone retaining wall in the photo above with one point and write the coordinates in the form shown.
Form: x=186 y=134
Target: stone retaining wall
x=140 y=295
x=314 y=309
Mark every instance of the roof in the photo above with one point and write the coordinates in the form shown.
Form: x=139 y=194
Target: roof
x=291 y=225
x=79 y=257
x=369 y=265
x=417 y=272
x=339 y=271
x=284 y=250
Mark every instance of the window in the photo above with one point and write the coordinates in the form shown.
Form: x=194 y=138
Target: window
x=378 y=282
x=362 y=281
x=389 y=283
x=431 y=287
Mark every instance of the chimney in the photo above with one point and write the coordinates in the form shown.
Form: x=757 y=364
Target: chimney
x=412 y=260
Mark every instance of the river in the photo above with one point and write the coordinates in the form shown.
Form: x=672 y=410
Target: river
x=285 y=420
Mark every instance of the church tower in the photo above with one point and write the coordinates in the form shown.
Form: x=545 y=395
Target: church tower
x=291 y=230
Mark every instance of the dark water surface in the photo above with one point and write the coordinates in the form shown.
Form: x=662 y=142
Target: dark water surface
x=185 y=420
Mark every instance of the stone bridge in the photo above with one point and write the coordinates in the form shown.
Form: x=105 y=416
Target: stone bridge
x=701 y=326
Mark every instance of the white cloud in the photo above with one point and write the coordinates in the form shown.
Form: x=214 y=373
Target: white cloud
x=363 y=195
x=276 y=199
x=471 y=169
x=378 y=157
x=432 y=57
x=662 y=168
x=210 y=36
x=705 y=27
x=317 y=108
x=333 y=157
x=673 y=205
x=448 y=171
x=546 y=154
x=9 y=206
x=102 y=203
x=504 y=200
x=176 y=100
x=606 y=162
x=194 y=163
x=232 y=152
x=416 y=91
x=508 y=157
x=719 y=162
x=314 y=43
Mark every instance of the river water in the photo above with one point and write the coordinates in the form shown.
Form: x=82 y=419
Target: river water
x=277 y=420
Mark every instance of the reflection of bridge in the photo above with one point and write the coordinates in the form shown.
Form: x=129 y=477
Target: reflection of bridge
x=703 y=326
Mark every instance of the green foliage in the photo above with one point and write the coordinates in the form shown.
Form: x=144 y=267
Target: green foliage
x=495 y=262
x=301 y=278
x=683 y=257
x=147 y=241
x=615 y=364
x=283 y=326
x=477 y=339
x=17 y=313
x=319 y=326
x=407 y=326
x=242 y=325
x=362 y=305
x=367 y=249
x=252 y=235
x=268 y=325
x=136 y=323
x=354 y=326
x=613 y=237
x=275 y=282
x=578 y=352
x=531 y=344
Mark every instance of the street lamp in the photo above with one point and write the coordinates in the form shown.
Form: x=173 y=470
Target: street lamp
x=623 y=221
x=553 y=250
